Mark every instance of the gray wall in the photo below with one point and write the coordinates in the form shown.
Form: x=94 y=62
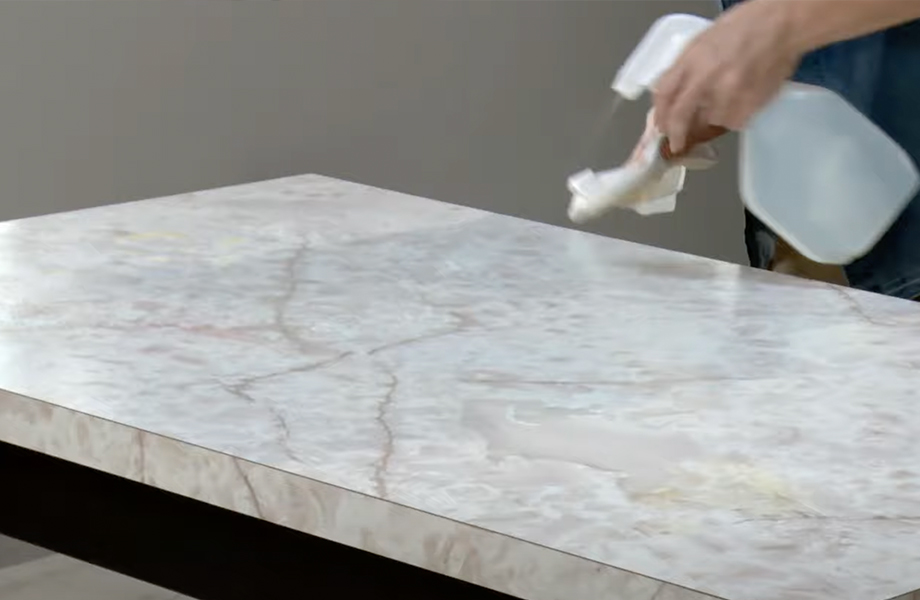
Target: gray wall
x=485 y=103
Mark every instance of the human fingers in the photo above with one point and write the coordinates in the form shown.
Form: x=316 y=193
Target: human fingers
x=737 y=104
x=699 y=134
x=724 y=99
x=665 y=91
x=687 y=108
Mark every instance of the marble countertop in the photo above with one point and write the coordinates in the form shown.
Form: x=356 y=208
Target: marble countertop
x=543 y=412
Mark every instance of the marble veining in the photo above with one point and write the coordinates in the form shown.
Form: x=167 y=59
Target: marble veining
x=540 y=411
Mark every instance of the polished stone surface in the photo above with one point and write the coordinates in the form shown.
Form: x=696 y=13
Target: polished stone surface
x=540 y=411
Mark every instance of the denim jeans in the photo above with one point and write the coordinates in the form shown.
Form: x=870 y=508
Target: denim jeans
x=879 y=75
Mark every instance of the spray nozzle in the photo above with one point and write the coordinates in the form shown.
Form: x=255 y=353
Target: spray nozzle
x=657 y=51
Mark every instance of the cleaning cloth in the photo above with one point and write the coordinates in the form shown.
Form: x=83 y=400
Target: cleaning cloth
x=647 y=183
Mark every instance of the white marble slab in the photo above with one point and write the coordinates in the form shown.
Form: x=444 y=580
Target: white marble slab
x=543 y=412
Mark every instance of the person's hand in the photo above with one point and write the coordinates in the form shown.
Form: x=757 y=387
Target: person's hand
x=699 y=135
x=727 y=73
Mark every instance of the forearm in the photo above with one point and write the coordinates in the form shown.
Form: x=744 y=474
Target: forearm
x=812 y=24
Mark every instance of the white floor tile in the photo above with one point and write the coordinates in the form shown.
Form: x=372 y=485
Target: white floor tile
x=57 y=577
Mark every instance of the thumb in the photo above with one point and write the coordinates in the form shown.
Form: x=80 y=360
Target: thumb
x=697 y=135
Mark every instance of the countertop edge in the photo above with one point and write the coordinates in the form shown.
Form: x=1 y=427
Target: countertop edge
x=437 y=544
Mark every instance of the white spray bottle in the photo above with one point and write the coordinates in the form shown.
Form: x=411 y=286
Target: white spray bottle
x=812 y=168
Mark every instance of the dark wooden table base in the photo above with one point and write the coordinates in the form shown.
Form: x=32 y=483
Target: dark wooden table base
x=191 y=547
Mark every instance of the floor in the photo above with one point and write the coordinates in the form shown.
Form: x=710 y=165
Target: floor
x=29 y=573
x=14 y=552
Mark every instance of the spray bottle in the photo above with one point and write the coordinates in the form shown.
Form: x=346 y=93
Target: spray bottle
x=812 y=167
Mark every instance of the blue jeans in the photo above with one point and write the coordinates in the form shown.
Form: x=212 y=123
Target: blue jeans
x=878 y=74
